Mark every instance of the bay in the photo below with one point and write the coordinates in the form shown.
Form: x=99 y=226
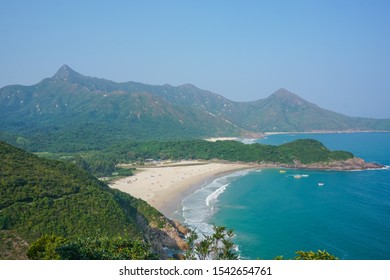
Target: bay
x=276 y=212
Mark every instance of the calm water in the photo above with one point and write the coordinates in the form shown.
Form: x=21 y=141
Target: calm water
x=274 y=213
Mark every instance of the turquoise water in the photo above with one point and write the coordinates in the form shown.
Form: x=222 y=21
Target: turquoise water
x=274 y=213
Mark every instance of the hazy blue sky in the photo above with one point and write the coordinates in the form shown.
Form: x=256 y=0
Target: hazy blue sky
x=333 y=53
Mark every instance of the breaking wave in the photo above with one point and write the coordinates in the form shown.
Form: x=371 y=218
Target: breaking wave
x=199 y=207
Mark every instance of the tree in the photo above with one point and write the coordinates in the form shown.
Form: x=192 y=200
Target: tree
x=310 y=255
x=106 y=248
x=44 y=248
x=51 y=247
x=218 y=246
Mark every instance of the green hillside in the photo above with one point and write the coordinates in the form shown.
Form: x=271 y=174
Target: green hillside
x=72 y=112
x=40 y=196
x=305 y=151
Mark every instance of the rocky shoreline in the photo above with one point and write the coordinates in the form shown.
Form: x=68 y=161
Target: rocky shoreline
x=343 y=165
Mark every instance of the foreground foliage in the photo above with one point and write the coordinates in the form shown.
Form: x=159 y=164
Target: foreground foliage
x=218 y=246
x=51 y=247
x=310 y=255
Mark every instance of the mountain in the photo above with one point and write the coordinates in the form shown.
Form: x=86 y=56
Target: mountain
x=70 y=111
x=286 y=111
x=41 y=196
x=89 y=112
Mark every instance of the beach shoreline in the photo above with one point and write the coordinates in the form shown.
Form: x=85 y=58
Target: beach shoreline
x=164 y=187
x=348 y=131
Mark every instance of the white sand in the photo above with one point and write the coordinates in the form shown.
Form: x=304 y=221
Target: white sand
x=164 y=187
x=215 y=139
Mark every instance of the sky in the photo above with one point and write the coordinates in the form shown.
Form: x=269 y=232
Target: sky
x=335 y=54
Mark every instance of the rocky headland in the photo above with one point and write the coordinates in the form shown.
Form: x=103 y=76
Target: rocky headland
x=354 y=163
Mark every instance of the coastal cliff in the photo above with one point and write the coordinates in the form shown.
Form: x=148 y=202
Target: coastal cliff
x=167 y=237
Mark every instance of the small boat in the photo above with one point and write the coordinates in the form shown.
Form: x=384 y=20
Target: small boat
x=320 y=184
x=297 y=176
x=282 y=171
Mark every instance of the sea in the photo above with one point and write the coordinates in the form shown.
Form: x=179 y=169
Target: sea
x=276 y=212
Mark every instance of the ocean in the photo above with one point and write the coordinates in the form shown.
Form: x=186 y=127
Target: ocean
x=275 y=212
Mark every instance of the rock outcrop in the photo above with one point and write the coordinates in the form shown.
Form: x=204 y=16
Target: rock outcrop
x=349 y=164
x=166 y=238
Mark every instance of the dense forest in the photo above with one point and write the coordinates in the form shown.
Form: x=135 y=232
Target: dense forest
x=104 y=162
x=306 y=151
x=40 y=196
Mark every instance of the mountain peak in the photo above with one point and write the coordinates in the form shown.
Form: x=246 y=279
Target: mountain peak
x=284 y=94
x=188 y=86
x=65 y=73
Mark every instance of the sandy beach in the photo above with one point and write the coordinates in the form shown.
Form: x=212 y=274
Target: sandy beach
x=164 y=187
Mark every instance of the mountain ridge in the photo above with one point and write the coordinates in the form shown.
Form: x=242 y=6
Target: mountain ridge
x=75 y=108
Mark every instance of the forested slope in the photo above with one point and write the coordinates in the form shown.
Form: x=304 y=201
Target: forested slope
x=40 y=196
